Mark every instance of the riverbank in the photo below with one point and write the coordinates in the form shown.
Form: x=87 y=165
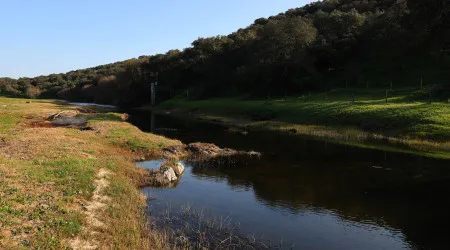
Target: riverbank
x=401 y=125
x=72 y=186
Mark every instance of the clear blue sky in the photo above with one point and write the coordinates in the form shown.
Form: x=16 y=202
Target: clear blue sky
x=56 y=36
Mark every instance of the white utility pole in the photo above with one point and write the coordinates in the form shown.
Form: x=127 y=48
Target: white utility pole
x=153 y=88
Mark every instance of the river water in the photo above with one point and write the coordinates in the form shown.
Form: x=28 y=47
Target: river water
x=310 y=194
x=93 y=104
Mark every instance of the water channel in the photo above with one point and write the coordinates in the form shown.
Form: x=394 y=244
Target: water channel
x=310 y=194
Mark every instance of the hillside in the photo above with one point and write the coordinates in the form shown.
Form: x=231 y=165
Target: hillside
x=321 y=46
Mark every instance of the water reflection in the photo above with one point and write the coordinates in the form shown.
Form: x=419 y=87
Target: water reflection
x=316 y=194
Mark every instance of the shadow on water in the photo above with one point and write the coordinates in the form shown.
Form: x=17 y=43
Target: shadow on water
x=313 y=193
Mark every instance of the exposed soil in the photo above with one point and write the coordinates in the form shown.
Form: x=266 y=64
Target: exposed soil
x=67 y=118
x=93 y=210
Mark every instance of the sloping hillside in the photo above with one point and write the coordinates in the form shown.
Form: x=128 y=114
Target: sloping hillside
x=317 y=47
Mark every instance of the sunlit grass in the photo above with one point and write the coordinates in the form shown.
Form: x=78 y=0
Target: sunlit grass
x=47 y=175
x=343 y=114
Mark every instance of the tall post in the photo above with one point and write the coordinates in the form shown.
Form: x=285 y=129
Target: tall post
x=421 y=83
x=153 y=88
x=153 y=97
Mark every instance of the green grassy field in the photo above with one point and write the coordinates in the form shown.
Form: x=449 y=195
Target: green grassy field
x=64 y=188
x=348 y=114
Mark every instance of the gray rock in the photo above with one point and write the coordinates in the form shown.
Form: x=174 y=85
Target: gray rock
x=170 y=175
x=178 y=169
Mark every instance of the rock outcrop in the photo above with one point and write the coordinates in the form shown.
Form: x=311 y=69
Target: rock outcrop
x=195 y=153
x=207 y=149
x=174 y=152
x=211 y=150
x=202 y=150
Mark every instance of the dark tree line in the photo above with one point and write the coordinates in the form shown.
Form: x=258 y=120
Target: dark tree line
x=323 y=45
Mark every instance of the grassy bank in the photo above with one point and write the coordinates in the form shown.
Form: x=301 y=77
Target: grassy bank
x=69 y=188
x=346 y=115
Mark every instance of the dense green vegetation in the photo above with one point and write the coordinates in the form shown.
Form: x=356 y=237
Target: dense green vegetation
x=318 y=47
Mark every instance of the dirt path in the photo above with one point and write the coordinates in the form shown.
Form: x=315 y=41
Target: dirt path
x=93 y=210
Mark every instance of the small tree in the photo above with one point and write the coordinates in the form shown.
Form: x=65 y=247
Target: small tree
x=32 y=92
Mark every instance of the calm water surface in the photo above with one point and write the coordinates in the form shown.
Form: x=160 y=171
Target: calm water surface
x=93 y=104
x=311 y=194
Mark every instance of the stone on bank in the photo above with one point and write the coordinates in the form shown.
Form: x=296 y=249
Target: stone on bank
x=167 y=175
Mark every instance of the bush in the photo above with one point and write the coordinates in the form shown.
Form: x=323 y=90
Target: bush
x=32 y=92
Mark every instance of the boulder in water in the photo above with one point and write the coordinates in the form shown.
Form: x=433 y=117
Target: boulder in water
x=178 y=169
x=166 y=176
x=170 y=175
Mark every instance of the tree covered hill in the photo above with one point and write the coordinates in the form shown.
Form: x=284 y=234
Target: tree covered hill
x=317 y=47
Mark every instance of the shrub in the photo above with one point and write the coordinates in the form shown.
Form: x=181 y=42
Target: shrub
x=32 y=92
